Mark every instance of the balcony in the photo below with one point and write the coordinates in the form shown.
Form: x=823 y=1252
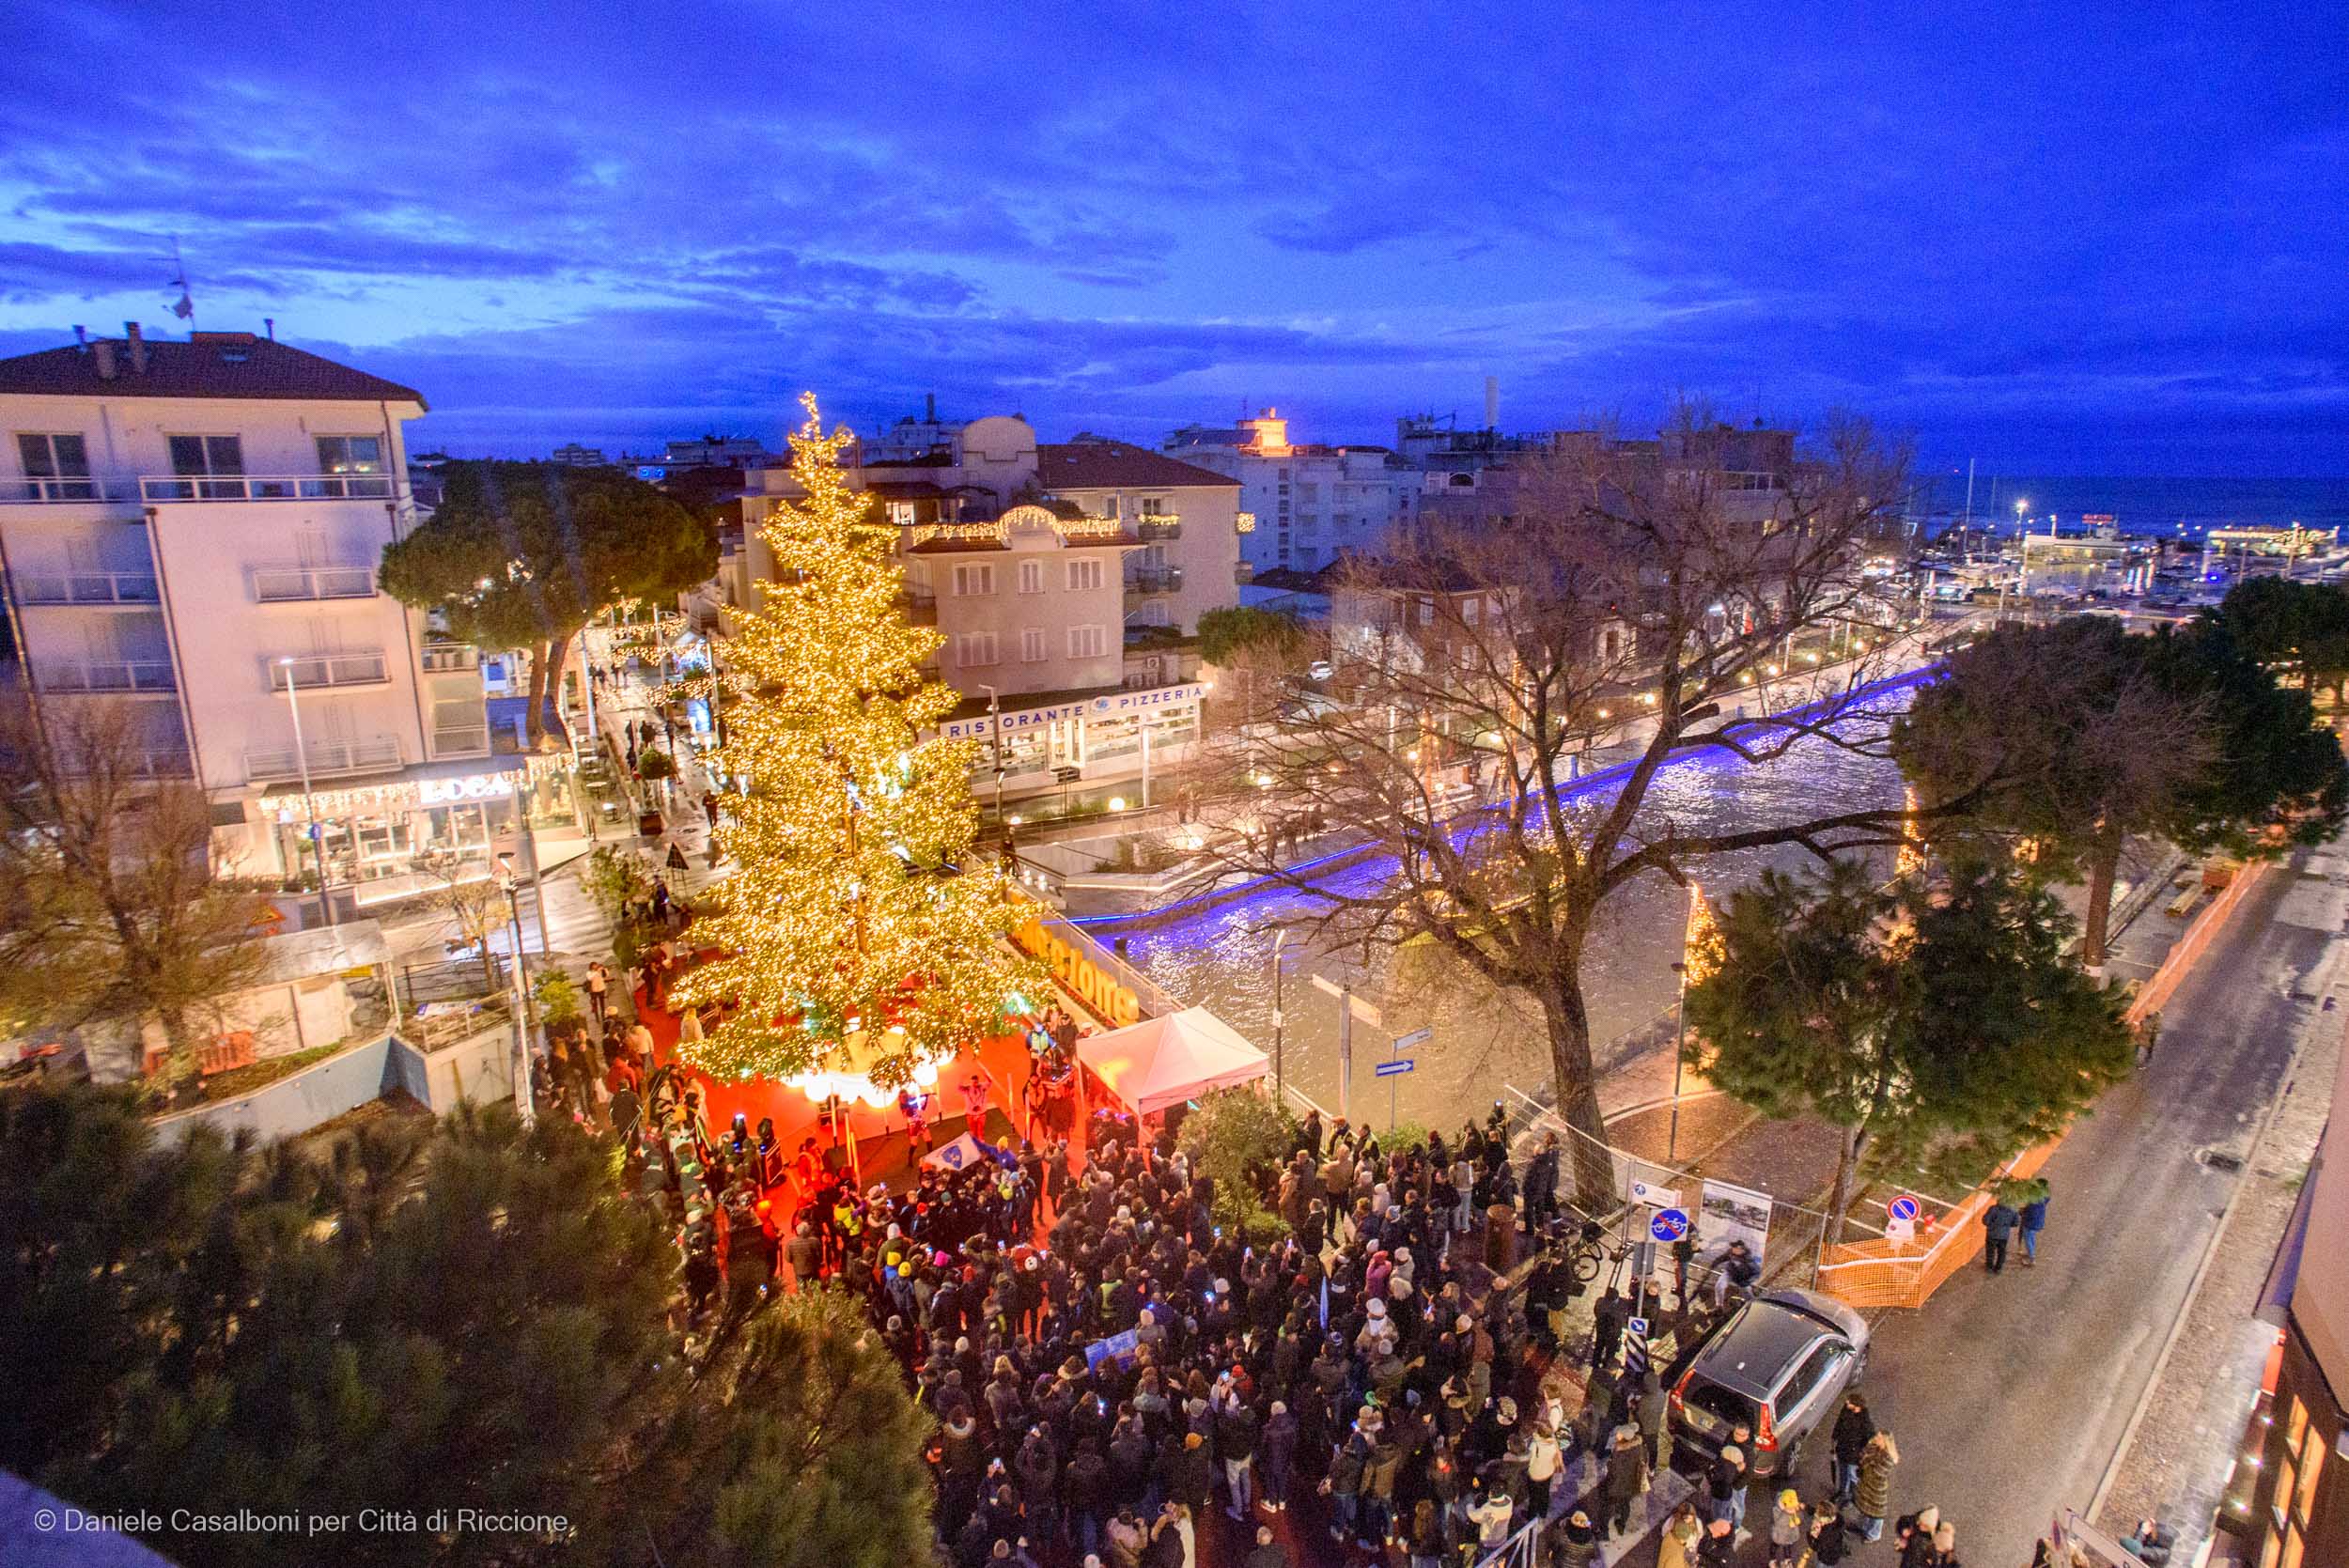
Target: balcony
x=265 y=487
x=918 y=605
x=1148 y=581
x=303 y=584
x=445 y=658
x=108 y=674
x=53 y=492
x=135 y=588
x=1242 y=573
x=327 y=758
x=461 y=740
x=330 y=669
x=1153 y=527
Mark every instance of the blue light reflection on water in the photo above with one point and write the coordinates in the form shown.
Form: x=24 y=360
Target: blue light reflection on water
x=1216 y=949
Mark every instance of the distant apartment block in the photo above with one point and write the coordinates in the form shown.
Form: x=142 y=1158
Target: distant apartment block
x=1310 y=504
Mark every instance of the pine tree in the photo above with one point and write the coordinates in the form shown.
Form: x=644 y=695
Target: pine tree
x=854 y=938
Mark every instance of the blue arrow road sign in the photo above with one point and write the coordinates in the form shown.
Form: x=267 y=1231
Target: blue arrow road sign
x=1669 y=1224
x=1389 y=1069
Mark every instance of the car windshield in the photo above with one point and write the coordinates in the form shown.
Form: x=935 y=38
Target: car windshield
x=1714 y=1408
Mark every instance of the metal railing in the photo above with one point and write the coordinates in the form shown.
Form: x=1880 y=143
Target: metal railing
x=334 y=669
x=437 y=658
x=1155 y=580
x=277 y=764
x=1242 y=573
x=108 y=674
x=265 y=487
x=1153 y=526
x=86 y=587
x=284 y=585
x=59 y=491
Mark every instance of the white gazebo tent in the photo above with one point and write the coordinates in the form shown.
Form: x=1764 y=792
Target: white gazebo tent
x=1164 y=1061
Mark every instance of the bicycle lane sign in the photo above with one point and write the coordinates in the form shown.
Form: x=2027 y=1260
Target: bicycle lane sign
x=1669 y=1224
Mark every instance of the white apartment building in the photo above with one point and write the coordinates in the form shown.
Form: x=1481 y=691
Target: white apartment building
x=193 y=528
x=1310 y=504
x=1062 y=578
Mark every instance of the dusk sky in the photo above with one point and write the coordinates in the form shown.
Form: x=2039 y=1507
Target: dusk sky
x=2085 y=239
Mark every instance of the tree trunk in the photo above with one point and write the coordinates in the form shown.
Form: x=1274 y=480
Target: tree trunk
x=1576 y=1080
x=558 y=654
x=1851 y=1145
x=535 y=712
x=2104 y=866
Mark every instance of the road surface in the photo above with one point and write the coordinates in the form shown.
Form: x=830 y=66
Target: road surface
x=2009 y=1395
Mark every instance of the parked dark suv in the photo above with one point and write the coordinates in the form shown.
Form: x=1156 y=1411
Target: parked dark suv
x=1779 y=1366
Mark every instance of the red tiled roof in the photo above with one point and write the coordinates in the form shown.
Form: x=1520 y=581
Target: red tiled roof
x=208 y=364
x=1084 y=465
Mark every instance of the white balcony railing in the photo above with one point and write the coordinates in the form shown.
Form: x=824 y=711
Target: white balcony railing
x=107 y=675
x=288 y=584
x=86 y=587
x=61 y=491
x=333 y=669
x=265 y=487
x=328 y=759
x=461 y=740
x=448 y=657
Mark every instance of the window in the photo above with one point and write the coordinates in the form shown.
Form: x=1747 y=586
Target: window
x=57 y=467
x=1032 y=645
x=1469 y=608
x=2311 y=1467
x=220 y=458
x=974 y=648
x=1087 y=642
x=1109 y=507
x=351 y=453
x=1806 y=1376
x=1030 y=577
x=206 y=455
x=971 y=582
x=1084 y=574
x=1154 y=505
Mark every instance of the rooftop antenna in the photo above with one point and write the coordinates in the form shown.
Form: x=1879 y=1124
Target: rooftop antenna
x=183 y=308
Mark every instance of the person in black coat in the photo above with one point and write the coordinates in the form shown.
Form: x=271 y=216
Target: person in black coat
x=1853 y=1426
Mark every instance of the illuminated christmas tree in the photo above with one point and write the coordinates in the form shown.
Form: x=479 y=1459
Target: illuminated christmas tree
x=859 y=944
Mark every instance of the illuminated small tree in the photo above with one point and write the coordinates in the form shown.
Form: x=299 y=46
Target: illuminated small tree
x=853 y=937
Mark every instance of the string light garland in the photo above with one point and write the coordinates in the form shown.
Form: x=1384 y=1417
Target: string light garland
x=854 y=953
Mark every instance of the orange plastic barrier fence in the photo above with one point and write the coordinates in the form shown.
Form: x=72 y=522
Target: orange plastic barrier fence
x=1885 y=1273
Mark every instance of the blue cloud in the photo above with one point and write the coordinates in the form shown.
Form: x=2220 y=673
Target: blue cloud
x=2106 y=238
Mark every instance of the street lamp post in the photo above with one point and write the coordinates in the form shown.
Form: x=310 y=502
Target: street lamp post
x=995 y=723
x=1680 y=1041
x=309 y=800
x=526 y=1018
x=1280 y=1071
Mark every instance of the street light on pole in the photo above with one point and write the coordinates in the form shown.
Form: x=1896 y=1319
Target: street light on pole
x=995 y=723
x=309 y=800
x=1280 y=1072
x=526 y=1023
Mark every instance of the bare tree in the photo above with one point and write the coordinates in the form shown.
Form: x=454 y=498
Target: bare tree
x=116 y=908
x=470 y=901
x=1641 y=597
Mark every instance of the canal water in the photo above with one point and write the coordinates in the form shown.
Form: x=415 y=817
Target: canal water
x=1217 y=952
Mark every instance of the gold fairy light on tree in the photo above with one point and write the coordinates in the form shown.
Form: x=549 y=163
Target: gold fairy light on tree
x=856 y=954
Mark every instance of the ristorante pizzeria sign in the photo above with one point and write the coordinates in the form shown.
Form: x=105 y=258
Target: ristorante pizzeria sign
x=1107 y=706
